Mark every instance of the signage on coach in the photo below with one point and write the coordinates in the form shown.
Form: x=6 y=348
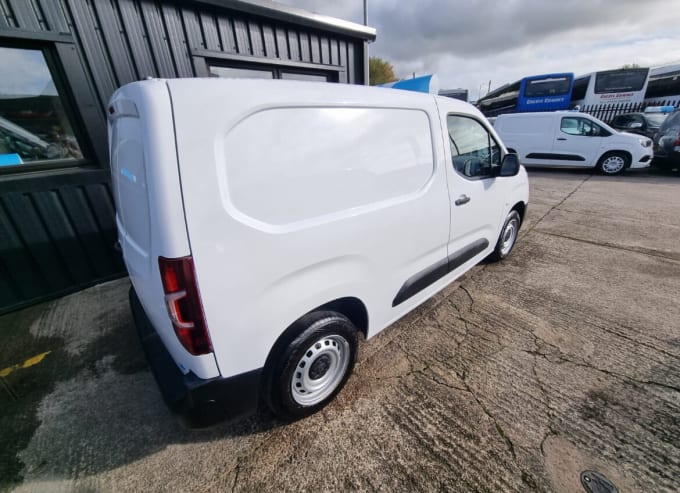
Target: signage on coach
x=618 y=97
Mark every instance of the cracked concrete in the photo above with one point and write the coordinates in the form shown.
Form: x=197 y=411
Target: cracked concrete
x=517 y=377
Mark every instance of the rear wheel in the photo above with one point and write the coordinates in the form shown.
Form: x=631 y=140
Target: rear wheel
x=508 y=237
x=314 y=366
x=613 y=163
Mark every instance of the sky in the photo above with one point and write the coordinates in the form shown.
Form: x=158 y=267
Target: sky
x=28 y=76
x=469 y=43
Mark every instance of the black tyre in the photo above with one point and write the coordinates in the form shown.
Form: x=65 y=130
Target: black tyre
x=313 y=367
x=508 y=237
x=613 y=163
x=667 y=164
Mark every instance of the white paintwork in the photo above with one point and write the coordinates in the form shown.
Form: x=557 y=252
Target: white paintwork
x=490 y=199
x=296 y=194
x=355 y=163
x=149 y=211
x=532 y=133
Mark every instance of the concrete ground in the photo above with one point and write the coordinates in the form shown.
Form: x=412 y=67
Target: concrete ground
x=563 y=358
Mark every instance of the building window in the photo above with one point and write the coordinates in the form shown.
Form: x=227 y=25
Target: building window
x=252 y=71
x=303 y=76
x=240 y=73
x=34 y=125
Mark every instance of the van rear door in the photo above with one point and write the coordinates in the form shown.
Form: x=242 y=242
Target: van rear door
x=128 y=176
x=149 y=206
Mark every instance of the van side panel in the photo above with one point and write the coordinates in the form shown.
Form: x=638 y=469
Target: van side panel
x=527 y=134
x=150 y=215
x=354 y=163
x=298 y=194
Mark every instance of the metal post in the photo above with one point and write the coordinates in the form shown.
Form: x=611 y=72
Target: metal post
x=366 y=55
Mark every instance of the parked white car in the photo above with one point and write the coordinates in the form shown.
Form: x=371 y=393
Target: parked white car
x=572 y=139
x=266 y=224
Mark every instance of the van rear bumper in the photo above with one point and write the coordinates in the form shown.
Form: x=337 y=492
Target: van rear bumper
x=200 y=402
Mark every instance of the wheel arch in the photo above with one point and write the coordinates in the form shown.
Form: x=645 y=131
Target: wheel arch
x=351 y=307
x=521 y=208
x=617 y=151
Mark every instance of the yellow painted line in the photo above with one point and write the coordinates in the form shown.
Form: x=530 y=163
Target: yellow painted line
x=26 y=364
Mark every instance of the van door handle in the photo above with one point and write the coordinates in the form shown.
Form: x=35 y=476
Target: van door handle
x=463 y=199
x=561 y=138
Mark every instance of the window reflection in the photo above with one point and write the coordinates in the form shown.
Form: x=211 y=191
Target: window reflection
x=240 y=73
x=34 y=126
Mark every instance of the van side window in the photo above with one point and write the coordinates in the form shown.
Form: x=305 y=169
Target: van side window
x=473 y=150
x=574 y=125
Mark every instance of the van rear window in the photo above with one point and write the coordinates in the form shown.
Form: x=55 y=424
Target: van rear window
x=291 y=164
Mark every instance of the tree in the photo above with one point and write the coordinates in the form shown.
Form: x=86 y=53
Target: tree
x=380 y=71
x=630 y=65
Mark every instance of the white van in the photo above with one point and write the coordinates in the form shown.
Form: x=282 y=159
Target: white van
x=567 y=138
x=265 y=224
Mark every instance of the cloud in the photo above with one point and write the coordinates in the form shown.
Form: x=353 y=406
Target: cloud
x=469 y=42
x=25 y=72
x=470 y=28
x=349 y=10
x=475 y=74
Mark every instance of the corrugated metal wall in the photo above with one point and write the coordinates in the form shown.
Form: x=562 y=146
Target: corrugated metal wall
x=55 y=240
x=140 y=39
x=57 y=228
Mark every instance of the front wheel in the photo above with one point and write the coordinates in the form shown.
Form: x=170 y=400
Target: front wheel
x=613 y=163
x=508 y=237
x=314 y=366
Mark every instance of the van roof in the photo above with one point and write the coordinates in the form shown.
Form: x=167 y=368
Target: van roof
x=379 y=95
x=542 y=113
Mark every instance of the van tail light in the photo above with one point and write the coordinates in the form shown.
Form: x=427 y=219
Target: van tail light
x=184 y=304
x=676 y=143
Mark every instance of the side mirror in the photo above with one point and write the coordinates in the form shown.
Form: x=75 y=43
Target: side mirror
x=510 y=165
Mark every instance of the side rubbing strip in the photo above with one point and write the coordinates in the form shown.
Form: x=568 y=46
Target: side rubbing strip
x=464 y=254
x=421 y=280
x=424 y=278
x=556 y=157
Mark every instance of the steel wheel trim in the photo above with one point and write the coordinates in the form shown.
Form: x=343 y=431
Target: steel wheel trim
x=509 y=236
x=613 y=164
x=320 y=370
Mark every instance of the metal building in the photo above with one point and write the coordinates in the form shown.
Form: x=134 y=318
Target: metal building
x=61 y=61
x=461 y=94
